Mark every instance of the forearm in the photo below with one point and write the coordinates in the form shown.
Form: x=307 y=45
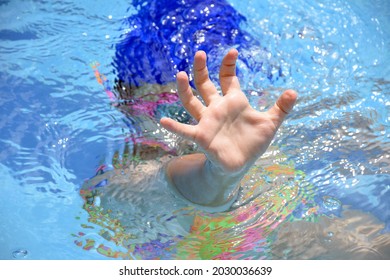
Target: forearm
x=199 y=181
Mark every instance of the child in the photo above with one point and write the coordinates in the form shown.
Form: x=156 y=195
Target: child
x=145 y=197
x=229 y=132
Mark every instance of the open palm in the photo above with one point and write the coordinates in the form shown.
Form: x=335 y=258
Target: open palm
x=231 y=133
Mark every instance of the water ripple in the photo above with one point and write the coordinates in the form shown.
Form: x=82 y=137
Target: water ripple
x=330 y=161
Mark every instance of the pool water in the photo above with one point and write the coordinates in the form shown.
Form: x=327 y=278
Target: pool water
x=322 y=190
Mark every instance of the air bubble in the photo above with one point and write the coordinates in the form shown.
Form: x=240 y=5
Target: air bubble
x=331 y=203
x=19 y=254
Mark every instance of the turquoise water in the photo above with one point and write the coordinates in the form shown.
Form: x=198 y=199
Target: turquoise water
x=57 y=127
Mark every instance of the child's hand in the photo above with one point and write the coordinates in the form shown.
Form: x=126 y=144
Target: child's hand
x=231 y=133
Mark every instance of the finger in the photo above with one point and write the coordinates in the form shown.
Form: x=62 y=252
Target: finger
x=202 y=81
x=227 y=72
x=184 y=130
x=190 y=102
x=283 y=106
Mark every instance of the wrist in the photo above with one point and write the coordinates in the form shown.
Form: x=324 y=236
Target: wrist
x=225 y=184
x=200 y=182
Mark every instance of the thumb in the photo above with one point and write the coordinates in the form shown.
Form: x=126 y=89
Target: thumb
x=184 y=130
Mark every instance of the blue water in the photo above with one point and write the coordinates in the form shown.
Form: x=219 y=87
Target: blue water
x=57 y=125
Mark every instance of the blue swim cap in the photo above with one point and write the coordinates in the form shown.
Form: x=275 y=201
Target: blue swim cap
x=164 y=35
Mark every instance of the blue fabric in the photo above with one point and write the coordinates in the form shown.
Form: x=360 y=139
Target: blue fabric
x=165 y=34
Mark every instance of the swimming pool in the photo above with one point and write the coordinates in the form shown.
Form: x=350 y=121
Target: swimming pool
x=321 y=192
